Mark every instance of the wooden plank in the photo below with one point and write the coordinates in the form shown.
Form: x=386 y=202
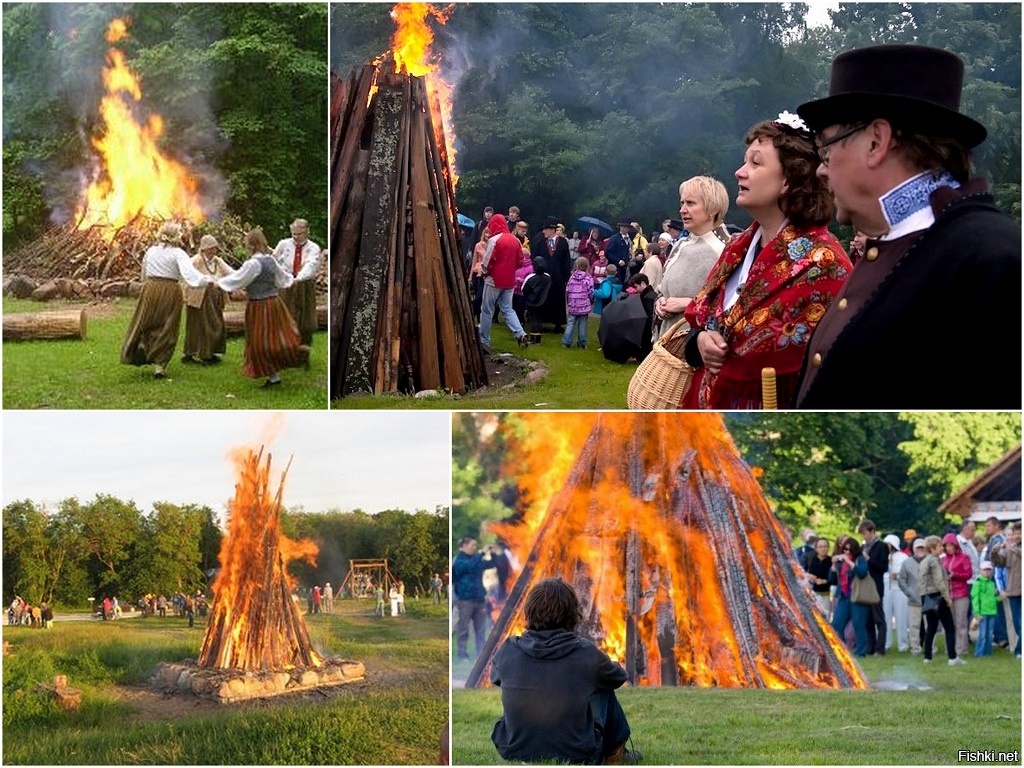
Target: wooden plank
x=352 y=130
x=425 y=246
x=364 y=309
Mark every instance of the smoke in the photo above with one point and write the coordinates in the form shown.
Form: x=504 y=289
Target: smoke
x=60 y=63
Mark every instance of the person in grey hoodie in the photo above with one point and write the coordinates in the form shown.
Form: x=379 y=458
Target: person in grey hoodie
x=908 y=583
x=558 y=689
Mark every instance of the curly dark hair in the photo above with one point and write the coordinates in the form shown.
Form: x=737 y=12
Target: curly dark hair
x=552 y=604
x=808 y=201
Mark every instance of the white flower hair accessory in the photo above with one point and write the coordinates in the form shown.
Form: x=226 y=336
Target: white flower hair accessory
x=790 y=120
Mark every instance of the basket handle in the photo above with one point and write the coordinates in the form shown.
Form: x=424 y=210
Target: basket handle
x=671 y=331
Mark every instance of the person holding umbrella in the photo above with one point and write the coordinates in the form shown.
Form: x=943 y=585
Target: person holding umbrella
x=772 y=284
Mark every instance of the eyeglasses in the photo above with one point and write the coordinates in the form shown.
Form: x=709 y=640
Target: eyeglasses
x=824 y=145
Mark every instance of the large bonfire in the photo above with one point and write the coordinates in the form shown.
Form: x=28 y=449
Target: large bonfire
x=684 y=573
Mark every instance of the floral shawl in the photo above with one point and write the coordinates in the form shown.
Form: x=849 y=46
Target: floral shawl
x=791 y=283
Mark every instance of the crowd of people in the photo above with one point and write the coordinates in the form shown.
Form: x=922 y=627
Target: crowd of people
x=882 y=593
x=22 y=613
x=280 y=311
x=888 y=157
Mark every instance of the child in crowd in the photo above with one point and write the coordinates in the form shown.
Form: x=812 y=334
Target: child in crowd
x=599 y=269
x=579 y=299
x=608 y=290
x=557 y=688
x=983 y=602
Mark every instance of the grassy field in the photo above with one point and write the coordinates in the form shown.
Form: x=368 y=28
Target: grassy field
x=88 y=374
x=393 y=718
x=579 y=379
x=974 y=707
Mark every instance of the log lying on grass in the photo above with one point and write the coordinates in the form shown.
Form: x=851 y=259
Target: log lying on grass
x=38 y=326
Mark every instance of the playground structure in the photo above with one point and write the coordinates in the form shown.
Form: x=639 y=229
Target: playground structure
x=364 y=575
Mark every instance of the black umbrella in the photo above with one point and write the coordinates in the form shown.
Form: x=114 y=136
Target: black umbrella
x=586 y=222
x=624 y=326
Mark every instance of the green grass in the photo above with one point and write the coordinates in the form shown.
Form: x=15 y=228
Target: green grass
x=392 y=718
x=72 y=374
x=579 y=379
x=974 y=707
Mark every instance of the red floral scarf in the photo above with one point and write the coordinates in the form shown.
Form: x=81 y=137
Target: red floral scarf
x=791 y=283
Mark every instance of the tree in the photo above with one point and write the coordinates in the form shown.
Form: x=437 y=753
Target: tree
x=167 y=556
x=111 y=529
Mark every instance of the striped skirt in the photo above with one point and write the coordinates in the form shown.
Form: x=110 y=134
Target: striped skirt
x=204 y=326
x=153 y=331
x=272 y=340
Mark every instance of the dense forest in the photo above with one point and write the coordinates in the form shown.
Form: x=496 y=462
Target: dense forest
x=601 y=109
x=108 y=546
x=241 y=88
x=828 y=471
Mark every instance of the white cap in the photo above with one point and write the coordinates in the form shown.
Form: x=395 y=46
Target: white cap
x=919 y=543
x=986 y=564
x=892 y=539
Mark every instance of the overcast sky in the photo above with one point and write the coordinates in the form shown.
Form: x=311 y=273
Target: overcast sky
x=340 y=459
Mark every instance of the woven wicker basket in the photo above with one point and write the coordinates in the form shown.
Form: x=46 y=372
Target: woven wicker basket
x=663 y=378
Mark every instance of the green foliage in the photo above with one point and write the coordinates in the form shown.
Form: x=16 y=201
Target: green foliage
x=241 y=88
x=948 y=450
x=602 y=109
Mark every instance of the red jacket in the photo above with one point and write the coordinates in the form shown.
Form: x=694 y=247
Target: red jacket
x=505 y=253
x=958 y=566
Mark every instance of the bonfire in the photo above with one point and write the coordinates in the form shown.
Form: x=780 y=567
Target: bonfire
x=685 y=575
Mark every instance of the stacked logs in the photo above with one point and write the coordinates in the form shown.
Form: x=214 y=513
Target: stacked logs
x=664 y=533
x=400 y=308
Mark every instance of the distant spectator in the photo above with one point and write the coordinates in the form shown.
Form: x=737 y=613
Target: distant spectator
x=933 y=585
x=984 y=598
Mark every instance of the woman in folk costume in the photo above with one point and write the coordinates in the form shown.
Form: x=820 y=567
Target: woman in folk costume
x=773 y=282
x=153 y=331
x=272 y=340
x=205 y=338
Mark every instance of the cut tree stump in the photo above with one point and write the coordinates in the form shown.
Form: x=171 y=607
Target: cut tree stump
x=33 y=326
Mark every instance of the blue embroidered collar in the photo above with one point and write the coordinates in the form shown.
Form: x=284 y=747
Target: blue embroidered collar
x=913 y=195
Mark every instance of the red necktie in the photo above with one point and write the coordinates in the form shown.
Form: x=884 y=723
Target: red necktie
x=297 y=263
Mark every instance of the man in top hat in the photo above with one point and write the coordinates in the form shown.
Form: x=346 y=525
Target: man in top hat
x=676 y=229
x=930 y=317
x=618 y=247
x=555 y=252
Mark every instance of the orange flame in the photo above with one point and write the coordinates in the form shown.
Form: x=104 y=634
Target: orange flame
x=135 y=177
x=411 y=47
x=682 y=610
x=254 y=622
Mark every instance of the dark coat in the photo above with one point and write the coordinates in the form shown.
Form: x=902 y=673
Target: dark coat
x=553 y=672
x=618 y=249
x=942 y=331
x=559 y=266
x=467 y=576
x=877 y=554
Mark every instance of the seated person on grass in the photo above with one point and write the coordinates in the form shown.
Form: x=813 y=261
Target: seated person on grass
x=558 y=689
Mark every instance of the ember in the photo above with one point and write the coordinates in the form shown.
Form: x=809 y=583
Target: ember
x=254 y=622
x=684 y=574
x=136 y=177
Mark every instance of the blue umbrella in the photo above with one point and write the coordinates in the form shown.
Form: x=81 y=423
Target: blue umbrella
x=465 y=221
x=586 y=222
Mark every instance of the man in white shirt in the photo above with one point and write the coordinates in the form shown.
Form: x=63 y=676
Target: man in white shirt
x=300 y=257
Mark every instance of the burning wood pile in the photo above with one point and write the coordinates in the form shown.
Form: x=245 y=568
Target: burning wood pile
x=256 y=641
x=400 y=310
x=684 y=574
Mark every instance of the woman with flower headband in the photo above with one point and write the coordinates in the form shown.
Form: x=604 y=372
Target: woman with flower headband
x=771 y=285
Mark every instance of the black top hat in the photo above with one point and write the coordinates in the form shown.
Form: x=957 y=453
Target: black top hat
x=677 y=225
x=550 y=221
x=624 y=223
x=915 y=86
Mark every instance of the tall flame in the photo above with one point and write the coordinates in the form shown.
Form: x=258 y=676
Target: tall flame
x=411 y=47
x=685 y=575
x=135 y=177
x=254 y=622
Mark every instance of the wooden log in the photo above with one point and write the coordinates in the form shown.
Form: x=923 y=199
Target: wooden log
x=425 y=247
x=363 y=311
x=321 y=317
x=40 y=326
